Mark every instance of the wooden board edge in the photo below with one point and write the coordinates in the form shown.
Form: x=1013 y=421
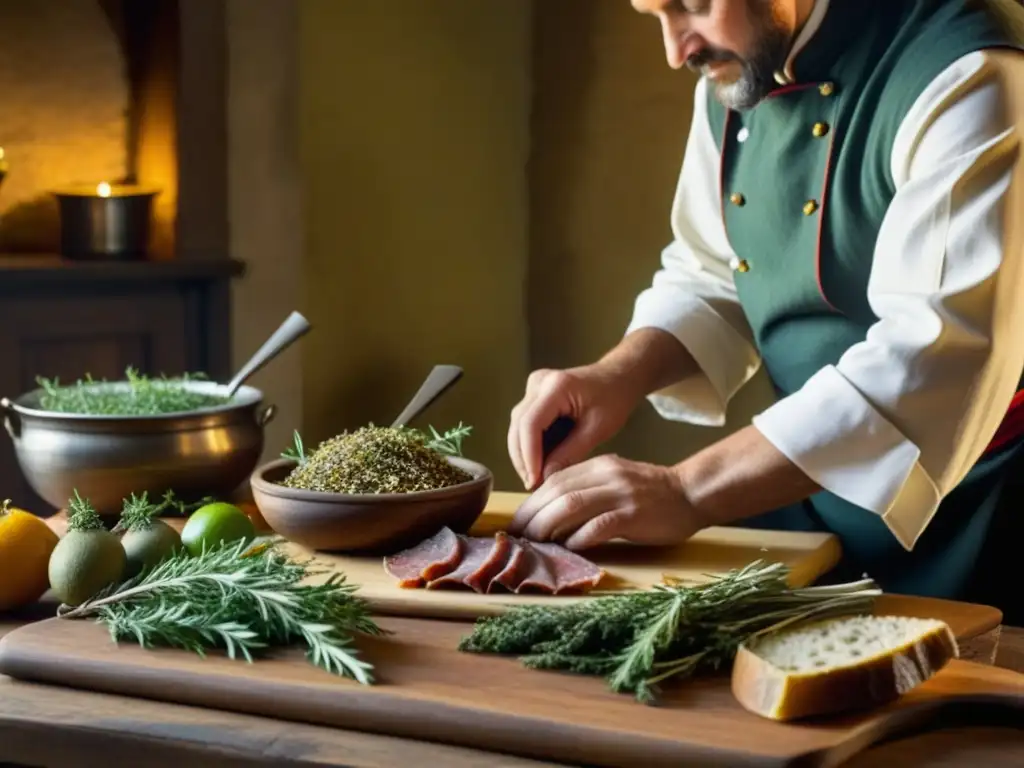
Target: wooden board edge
x=375 y=710
x=378 y=711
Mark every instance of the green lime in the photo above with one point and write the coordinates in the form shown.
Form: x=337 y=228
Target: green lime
x=216 y=524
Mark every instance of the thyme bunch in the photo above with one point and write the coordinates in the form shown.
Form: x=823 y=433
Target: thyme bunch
x=242 y=598
x=639 y=640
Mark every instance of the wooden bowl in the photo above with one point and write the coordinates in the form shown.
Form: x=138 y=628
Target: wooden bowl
x=367 y=523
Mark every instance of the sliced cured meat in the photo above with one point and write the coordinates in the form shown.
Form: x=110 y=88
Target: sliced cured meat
x=516 y=567
x=502 y=563
x=501 y=549
x=572 y=572
x=475 y=553
x=428 y=560
x=538 y=575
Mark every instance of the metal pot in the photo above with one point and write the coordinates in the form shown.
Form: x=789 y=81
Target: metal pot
x=210 y=452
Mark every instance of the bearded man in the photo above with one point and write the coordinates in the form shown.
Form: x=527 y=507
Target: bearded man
x=850 y=215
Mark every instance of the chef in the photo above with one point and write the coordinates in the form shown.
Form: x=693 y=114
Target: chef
x=849 y=215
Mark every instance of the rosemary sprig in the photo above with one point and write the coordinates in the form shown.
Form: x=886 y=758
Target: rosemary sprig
x=450 y=443
x=639 y=640
x=296 y=451
x=241 y=598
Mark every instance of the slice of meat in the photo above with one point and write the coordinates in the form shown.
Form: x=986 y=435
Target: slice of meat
x=475 y=551
x=428 y=560
x=516 y=567
x=492 y=565
x=572 y=572
x=538 y=576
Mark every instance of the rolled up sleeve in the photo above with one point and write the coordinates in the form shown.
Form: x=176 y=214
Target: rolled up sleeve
x=898 y=422
x=693 y=296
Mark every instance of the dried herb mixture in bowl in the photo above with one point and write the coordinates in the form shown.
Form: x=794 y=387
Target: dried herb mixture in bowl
x=375 y=460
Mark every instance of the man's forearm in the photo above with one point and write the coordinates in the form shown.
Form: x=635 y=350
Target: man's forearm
x=647 y=360
x=741 y=476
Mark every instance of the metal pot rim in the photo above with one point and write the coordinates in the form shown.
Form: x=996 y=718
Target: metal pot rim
x=246 y=397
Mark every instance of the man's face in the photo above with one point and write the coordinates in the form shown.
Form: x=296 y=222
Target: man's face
x=737 y=44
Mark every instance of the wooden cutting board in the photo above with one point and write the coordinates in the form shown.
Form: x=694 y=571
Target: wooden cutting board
x=711 y=552
x=427 y=690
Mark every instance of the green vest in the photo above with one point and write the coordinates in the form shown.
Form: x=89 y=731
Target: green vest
x=805 y=184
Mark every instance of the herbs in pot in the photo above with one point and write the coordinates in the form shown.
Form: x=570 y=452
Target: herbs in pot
x=242 y=598
x=138 y=395
x=374 y=460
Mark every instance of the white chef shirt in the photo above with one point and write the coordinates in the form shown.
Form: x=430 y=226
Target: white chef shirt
x=896 y=424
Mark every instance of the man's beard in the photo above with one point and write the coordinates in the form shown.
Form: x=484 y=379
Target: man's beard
x=758 y=69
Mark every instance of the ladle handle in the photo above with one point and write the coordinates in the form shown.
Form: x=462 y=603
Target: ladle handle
x=437 y=383
x=294 y=327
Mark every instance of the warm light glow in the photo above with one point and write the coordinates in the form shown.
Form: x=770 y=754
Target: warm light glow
x=1 y=153
x=103 y=189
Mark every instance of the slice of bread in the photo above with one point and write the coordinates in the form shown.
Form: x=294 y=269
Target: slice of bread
x=839 y=665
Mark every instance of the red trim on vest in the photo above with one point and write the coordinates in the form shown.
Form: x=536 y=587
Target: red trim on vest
x=1012 y=425
x=821 y=220
x=782 y=91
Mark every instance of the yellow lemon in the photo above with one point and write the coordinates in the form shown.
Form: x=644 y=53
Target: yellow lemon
x=26 y=543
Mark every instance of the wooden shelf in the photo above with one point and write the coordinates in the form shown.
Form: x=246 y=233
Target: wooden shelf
x=39 y=271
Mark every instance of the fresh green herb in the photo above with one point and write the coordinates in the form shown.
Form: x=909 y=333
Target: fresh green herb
x=82 y=515
x=174 y=504
x=379 y=460
x=636 y=641
x=138 y=395
x=138 y=511
x=137 y=514
x=450 y=443
x=296 y=451
x=242 y=598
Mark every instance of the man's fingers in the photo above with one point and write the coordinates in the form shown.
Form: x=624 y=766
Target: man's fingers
x=515 y=451
x=537 y=416
x=600 y=530
x=576 y=478
x=563 y=515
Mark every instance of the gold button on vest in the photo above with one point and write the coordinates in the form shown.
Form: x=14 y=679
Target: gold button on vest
x=740 y=265
x=819 y=130
x=810 y=207
x=737 y=199
x=826 y=89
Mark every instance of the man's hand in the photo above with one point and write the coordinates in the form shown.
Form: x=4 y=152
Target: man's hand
x=596 y=398
x=606 y=498
x=599 y=398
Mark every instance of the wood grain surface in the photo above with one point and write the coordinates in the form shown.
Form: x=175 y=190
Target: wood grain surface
x=427 y=690
x=711 y=552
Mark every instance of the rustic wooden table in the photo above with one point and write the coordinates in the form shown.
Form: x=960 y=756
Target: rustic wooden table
x=62 y=728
